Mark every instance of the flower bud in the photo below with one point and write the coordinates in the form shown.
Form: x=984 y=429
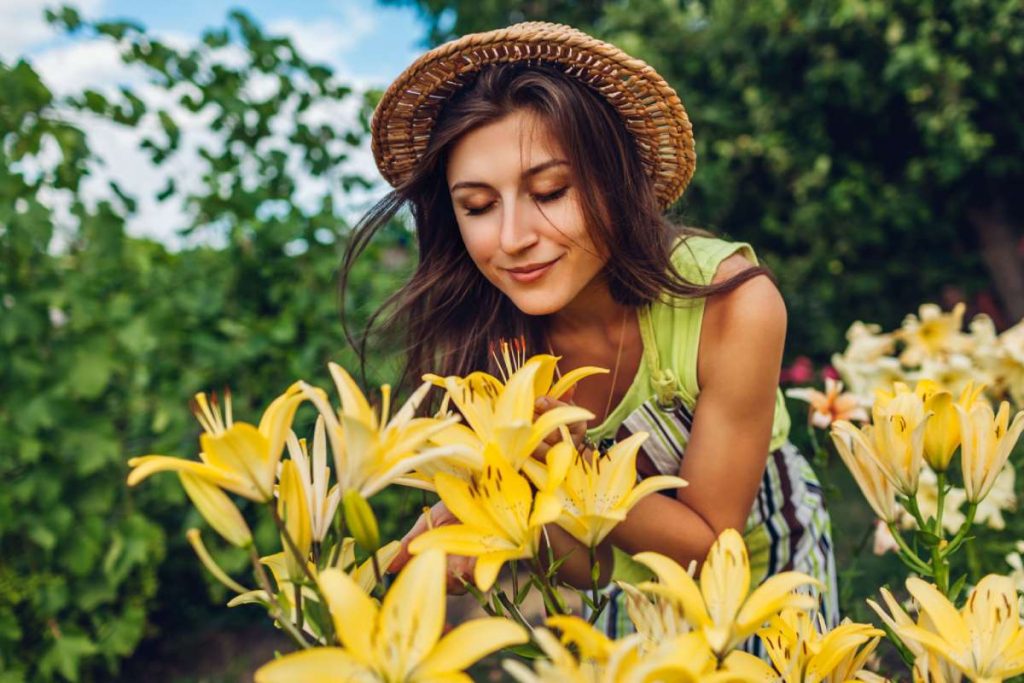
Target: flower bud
x=361 y=521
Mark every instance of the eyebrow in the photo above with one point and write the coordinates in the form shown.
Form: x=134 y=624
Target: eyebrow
x=526 y=174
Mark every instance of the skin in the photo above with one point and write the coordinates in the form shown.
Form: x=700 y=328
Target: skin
x=520 y=221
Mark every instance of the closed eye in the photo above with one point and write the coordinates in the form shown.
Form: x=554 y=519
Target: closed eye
x=543 y=198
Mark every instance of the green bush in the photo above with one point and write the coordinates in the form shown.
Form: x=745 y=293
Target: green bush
x=105 y=340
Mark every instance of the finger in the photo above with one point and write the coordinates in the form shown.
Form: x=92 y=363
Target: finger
x=541 y=452
x=403 y=555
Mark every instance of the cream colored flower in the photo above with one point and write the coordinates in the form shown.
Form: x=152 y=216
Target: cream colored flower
x=932 y=333
x=899 y=421
x=1001 y=498
x=987 y=441
x=855 y=446
x=315 y=475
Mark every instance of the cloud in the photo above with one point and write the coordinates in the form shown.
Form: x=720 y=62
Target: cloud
x=326 y=38
x=23 y=26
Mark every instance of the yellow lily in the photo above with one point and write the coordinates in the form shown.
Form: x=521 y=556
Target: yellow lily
x=855 y=446
x=314 y=475
x=983 y=640
x=597 y=495
x=803 y=655
x=723 y=608
x=398 y=642
x=501 y=518
x=235 y=455
x=509 y=357
x=371 y=451
x=293 y=510
x=942 y=433
x=503 y=413
x=1001 y=498
x=899 y=422
x=217 y=509
x=927 y=667
x=988 y=439
x=655 y=617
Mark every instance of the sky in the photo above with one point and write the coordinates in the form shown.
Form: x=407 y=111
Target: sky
x=367 y=45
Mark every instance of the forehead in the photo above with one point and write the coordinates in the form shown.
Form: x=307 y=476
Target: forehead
x=502 y=150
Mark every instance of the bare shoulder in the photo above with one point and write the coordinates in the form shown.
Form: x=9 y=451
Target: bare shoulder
x=752 y=314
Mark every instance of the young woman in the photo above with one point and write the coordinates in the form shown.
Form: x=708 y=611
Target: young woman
x=537 y=163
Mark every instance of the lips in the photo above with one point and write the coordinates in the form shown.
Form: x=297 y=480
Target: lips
x=531 y=272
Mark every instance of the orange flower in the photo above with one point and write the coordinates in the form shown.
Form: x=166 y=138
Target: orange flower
x=830 y=406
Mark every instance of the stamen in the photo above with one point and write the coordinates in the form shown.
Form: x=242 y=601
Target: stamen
x=385 y=408
x=201 y=409
x=229 y=419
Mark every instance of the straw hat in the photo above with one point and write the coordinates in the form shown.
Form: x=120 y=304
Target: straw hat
x=649 y=107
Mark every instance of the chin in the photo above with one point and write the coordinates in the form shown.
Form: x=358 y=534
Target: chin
x=537 y=303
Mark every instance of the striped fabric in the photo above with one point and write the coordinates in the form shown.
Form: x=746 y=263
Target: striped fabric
x=788 y=527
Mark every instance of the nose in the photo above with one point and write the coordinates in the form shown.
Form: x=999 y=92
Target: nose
x=517 y=232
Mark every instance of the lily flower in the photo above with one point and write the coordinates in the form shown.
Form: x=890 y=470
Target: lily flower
x=598 y=494
x=501 y=518
x=984 y=639
x=294 y=513
x=855 y=446
x=899 y=422
x=217 y=509
x=655 y=617
x=371 y=451
x=235 y=455
x=683 y=658
x=398 y=642
x=1001 y=498
x=830 y=406
x=932 y=333
x=503 y=412
x=314 y=475
x=988 y=440
x=803 y=655
x=723 y=608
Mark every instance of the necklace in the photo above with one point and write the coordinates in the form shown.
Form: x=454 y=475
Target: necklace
x=615 y=369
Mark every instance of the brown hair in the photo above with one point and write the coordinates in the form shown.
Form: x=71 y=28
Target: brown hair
x=448 y=312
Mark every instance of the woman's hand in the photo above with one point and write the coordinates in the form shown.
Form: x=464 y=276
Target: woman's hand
x=458 y=565
x=577 y=430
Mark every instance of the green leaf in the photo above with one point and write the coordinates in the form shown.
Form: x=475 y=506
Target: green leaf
x=65 y=656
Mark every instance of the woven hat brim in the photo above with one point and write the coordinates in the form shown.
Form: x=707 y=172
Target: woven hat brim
x=650 y=109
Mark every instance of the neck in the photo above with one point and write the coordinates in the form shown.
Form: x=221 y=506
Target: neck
x=593 y=311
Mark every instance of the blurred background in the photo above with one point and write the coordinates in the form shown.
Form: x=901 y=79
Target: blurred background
x=177 y=182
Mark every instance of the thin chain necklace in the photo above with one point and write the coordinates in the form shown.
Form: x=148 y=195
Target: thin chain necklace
x=615 y=369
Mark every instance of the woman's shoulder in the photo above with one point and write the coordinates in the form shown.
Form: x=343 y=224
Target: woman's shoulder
x=706 y=259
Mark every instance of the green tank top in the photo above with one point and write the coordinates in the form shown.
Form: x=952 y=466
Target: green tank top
x=671 y=336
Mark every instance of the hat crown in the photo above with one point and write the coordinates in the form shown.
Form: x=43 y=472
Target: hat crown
x=648 y=106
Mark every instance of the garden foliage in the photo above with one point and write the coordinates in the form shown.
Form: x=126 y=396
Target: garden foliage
x=104 y=337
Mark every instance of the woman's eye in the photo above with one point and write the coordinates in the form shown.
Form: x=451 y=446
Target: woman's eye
x=550 y=197
x=553 y=196
x=477 y=212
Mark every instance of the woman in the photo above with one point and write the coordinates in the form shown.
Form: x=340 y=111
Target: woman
x=537 y=162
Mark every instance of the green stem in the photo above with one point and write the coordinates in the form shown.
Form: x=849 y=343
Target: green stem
x=940 y=566
x=273 y=607
x=965 y=529
x=304 y=563
x=909 y=555
x=915 y=511
x=595 y=573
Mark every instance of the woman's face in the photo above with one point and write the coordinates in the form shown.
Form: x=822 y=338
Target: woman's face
x=519 y=214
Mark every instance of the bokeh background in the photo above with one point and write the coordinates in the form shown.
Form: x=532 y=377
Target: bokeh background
x=177 y=182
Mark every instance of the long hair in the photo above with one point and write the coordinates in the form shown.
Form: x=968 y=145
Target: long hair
x=448 y=313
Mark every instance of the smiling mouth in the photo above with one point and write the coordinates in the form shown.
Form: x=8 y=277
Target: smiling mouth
x=531 y=268
x=531 y=272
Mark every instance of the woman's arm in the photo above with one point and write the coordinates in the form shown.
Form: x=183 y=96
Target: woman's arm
x=741 y=346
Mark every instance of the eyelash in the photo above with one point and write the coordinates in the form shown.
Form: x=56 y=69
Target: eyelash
x=557 y=194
